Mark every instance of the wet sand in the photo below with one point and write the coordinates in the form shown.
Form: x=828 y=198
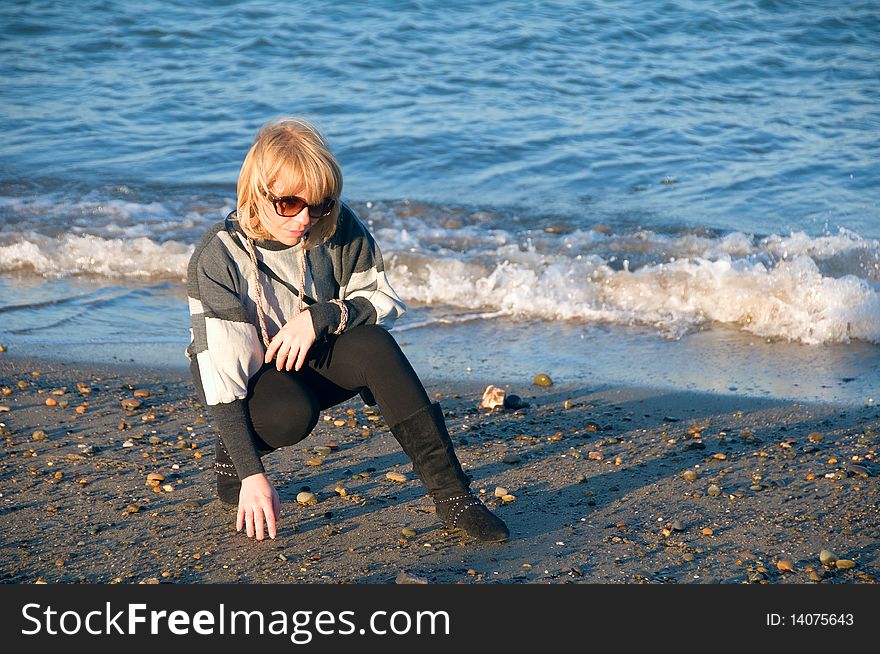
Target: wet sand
x=596 y=471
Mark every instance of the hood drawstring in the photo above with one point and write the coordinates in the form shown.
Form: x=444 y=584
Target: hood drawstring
x=258 y=291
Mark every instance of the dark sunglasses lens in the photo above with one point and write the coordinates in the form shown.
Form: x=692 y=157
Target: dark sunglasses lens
x=289 y=206
x=322 y=209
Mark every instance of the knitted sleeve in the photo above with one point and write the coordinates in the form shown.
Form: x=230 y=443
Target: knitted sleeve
x=225 y=350
x=363 y=285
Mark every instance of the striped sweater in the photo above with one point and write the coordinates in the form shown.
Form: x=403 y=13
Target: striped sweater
x=226 y=350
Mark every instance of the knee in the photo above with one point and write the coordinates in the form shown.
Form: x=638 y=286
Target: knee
x=374 y=342
x=282 y=411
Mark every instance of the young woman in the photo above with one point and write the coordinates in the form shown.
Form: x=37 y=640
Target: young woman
x=290 y=308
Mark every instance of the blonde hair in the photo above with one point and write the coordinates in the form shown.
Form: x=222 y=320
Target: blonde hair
x=294 y=152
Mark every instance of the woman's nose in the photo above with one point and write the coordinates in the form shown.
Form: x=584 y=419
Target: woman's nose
x=301 y=220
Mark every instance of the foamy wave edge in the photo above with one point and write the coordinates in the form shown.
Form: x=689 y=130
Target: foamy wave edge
x=790 y=301
x=93 y=255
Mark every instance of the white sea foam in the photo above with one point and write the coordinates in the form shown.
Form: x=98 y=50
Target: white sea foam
x=791 y=300
x=796 y=287
x=72 y=255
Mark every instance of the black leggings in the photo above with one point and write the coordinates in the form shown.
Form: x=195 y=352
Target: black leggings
x=284 y=406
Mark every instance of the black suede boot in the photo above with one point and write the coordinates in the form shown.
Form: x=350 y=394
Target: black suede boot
x=228 y=483
x=424 y=438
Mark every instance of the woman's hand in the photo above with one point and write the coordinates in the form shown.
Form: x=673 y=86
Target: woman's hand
x=290 y=346
x=258 y=501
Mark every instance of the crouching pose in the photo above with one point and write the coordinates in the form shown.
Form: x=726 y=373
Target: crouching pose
x=290 y=308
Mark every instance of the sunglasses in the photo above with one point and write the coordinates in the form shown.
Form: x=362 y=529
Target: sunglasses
x=291 y=205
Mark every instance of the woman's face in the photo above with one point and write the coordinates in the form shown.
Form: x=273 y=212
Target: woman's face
x=284 y=229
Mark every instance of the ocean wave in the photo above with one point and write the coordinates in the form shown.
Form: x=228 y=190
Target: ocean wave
x=799 y=288
x=812 y=290
x=92 y=255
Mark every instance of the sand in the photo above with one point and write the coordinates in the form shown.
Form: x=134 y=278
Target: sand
x=596 y=473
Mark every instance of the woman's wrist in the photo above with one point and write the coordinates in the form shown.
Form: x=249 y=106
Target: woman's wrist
x=255 y=478
x=325 y=318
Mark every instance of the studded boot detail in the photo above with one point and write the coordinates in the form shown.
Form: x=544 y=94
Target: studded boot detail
x=425 y=439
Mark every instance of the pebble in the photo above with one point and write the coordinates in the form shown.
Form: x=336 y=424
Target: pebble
x=406 y=578
x=314 y=462
x=756 y=487
x=339 y=423
x=688 y=556
x=814 y=576
x=154 y=440
x=130 y=404
x=511 y=459
x=167 y=488
x=513 y=402
x=51 y=402
x=132 y=508
x=38 y=435
x=542 y=380
x=785 y=566
x=500 y=491
x=689 y=475
x=845 y=564
x=861 y=471
x=4 y=409
x=408 y=531
x=83 y=388
x=713 y=490
x=677 y=526
x=141 y=393
x=321 y=450
x=3 y=348
x=706 y=531
x=508 y=498
x=592 y=427
x=567 y=404
x=395 y=476
x=306 y=498
x=6 y=390
x=827 y=557
x=814 y=437
x=492 y=397
x=341 y=491
x=155 y=476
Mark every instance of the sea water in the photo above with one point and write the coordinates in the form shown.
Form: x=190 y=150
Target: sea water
x=676 y=194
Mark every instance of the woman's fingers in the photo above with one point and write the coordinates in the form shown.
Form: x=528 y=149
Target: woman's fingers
x=276 y=505
x=301 y=358
x=292 y=356
x=274 y=344
x=258 y=522
x=281 y=357
x=239 y=519
x=270 y=518
x=249 y=522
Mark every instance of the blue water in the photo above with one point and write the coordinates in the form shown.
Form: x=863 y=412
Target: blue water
x=685 y=120
x=763 y=113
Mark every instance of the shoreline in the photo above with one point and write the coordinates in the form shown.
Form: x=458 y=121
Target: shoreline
x=600 y=496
